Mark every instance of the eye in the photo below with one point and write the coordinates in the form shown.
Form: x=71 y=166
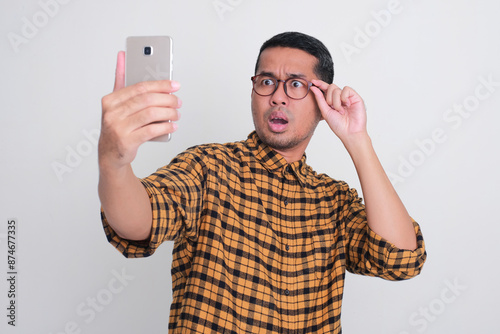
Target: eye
x=297 y=84
x=267 y=82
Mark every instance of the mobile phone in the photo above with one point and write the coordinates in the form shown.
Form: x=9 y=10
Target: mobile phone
x=148 y=58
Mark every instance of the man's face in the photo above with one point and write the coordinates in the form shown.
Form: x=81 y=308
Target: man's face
x=283 y=123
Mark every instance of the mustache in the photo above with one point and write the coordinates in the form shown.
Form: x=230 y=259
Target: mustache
x=277 y=109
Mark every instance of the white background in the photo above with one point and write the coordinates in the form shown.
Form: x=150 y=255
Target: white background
x=416 y=68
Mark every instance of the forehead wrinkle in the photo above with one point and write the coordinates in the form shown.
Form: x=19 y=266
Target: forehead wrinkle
x=287 y=63
x=287 y=74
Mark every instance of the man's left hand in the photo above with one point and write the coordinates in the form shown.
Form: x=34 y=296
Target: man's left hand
x=343 y=109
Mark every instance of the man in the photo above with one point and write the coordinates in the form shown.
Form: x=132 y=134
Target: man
x=262 y=242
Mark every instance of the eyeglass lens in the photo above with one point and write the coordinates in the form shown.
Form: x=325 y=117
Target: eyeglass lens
x=295 y=88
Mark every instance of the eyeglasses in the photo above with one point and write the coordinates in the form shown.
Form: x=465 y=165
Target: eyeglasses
x=295 y=88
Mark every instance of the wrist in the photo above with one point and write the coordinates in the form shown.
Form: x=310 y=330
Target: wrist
x=357 y=143
x=109 y=171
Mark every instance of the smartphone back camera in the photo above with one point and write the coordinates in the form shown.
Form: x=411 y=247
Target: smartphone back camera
x=148 y=51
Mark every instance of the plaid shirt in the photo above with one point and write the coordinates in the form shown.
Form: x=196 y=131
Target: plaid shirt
x=261 y=246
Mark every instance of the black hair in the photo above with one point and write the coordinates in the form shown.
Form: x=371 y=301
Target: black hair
x=313 y=46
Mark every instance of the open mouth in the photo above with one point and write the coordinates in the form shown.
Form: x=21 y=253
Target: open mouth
x=278 y=121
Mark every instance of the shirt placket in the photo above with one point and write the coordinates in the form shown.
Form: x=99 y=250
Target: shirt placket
x=289 y=232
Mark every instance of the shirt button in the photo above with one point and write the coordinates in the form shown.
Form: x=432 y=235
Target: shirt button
x=287 y=292
x=286 y=202
x=287 y=247
x=288 y=169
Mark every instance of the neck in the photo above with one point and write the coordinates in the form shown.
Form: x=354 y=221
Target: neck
x=291 y=155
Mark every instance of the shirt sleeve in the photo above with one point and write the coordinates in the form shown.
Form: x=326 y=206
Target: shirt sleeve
x=370 y=254
x=176 y=193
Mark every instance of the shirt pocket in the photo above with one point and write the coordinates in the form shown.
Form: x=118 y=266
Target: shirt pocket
x=323 y=250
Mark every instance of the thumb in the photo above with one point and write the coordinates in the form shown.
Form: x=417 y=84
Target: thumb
x=120 y=71
x=320 y=99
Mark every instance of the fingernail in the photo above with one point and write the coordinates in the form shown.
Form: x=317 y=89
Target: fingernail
x=175 y=84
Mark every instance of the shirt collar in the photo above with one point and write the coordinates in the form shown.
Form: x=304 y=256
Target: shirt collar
x=275 y=162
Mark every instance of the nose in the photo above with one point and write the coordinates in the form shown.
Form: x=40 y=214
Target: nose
x=279 y=96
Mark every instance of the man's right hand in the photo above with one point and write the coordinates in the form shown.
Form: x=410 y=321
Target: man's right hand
x=133 y=115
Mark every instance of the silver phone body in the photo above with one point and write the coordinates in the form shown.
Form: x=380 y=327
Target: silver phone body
x=148 y=58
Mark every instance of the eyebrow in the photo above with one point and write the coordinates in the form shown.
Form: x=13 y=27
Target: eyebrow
x=288 y=75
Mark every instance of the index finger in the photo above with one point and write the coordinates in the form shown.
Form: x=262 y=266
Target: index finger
x=323 y=85
x=128 y=94
x=157 y=86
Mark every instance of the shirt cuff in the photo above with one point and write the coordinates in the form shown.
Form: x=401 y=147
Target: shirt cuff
x=134 y=248
x=393 y=263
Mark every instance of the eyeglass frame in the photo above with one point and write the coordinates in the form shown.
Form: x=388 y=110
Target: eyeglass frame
x=309 y=84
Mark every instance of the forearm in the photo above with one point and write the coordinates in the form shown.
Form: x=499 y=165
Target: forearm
x=125 y=203
x=386 y=214
x=131 y=116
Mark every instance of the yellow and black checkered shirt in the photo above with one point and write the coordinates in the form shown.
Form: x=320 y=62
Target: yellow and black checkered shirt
x=261 y=246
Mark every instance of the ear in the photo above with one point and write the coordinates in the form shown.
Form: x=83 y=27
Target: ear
x=318 y=110
x=321 y=118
